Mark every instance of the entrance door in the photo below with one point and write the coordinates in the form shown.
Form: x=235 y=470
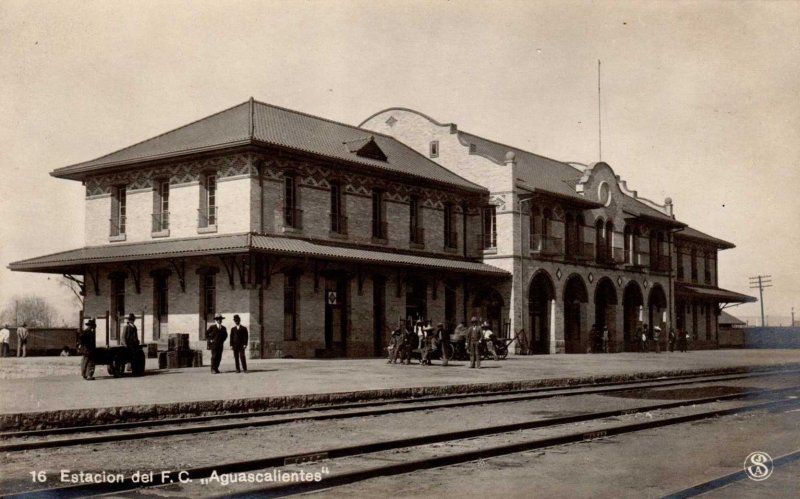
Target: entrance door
x=379 y=316
x=335 y=316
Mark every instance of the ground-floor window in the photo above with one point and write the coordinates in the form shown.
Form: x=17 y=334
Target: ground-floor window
x=208 y=301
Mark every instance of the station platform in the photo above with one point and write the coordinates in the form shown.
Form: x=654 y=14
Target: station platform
x=49 y=391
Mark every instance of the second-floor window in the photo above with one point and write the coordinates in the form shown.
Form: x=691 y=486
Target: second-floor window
x=207 y=213
x=378 y=215
x=600 y=241
x=161 y=206
x=292 y=216
x=680 y=252
x=338 y=220
x=694 y=264
x=119 y=208
x=416 y=234
x=450 y=235
x=490 y=227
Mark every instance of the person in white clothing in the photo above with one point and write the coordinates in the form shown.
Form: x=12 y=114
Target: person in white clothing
x=5 y=334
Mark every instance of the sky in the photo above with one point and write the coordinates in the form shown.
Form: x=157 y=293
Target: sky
x=700 y=100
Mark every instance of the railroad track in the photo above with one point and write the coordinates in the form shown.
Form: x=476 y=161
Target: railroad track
x=209 y=423
x=363 y=453
x=701 y=378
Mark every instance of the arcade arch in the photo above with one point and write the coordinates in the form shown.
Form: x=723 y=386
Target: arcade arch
x=576 y=298
x=541 y=309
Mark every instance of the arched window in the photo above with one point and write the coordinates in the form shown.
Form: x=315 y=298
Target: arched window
x=627 y=243
x=569 y=234
x=579 y=224
x=599 y=241
x=609 y=241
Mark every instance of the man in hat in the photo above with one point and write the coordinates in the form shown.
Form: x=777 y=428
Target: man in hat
x=239 y=339
x=397 y=342
x=474 y=339
x=22 y=340
x=87 y=342
x=130 y=333
x=216 y=334
x=428 y=346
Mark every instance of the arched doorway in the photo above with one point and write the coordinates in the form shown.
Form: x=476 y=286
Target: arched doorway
x=541 y=300
x=575 y=299
x=488 y=305
x=605 y=309
x=657 y=309
x=632 y=307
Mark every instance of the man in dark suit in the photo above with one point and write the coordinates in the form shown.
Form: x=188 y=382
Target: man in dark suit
x=130 y=335
x=87 y=341
x=239 y=338
x=474 y=340
x=216 y=334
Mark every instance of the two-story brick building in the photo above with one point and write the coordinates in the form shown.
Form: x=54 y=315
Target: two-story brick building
x=583 y=249
x=321 y=235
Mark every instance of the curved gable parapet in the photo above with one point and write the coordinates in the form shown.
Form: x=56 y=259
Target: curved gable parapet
x=592 y=169
x=588 y=171
x=453 y=127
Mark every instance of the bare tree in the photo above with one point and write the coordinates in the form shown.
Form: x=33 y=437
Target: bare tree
x=31 y=309
x=75 y=285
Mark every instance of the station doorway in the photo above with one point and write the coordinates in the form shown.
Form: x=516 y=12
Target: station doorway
x=541 y=296
x=575 y=301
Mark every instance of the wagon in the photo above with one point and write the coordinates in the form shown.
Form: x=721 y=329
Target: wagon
x=116 y=359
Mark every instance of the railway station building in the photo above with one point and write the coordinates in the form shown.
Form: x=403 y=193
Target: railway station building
x=323 y=235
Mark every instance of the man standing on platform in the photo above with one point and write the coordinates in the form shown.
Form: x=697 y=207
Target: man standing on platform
x=130 y=333
x=444 y=343
x=87 y=343
x=239 y=338
x=5 y=334
x=216 y=334
x=474 y=338
x=22 y=340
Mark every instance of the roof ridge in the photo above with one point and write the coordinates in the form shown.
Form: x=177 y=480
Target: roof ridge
x=308 y=115
x=157 y=136
x=373 y=133
x=517 y=148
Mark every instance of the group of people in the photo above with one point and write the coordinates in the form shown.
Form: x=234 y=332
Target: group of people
x=22 y=341
x=429 y=340
x=649 y=339
x=216 y=336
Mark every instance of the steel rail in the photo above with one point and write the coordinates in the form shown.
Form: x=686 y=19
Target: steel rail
x=573 y=390
x=728 y=479
x=484 y=453
x=197 y=473
x=421 y=405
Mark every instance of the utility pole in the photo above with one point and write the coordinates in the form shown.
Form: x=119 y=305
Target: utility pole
x=761 y=282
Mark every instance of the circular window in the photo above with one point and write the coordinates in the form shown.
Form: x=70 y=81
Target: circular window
x=604 y=193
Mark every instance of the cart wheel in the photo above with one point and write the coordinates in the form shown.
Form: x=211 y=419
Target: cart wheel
x=137 y=363
x=110 y=369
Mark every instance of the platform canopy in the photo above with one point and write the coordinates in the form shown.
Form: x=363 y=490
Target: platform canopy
x=713 y=293
x=75 y=261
